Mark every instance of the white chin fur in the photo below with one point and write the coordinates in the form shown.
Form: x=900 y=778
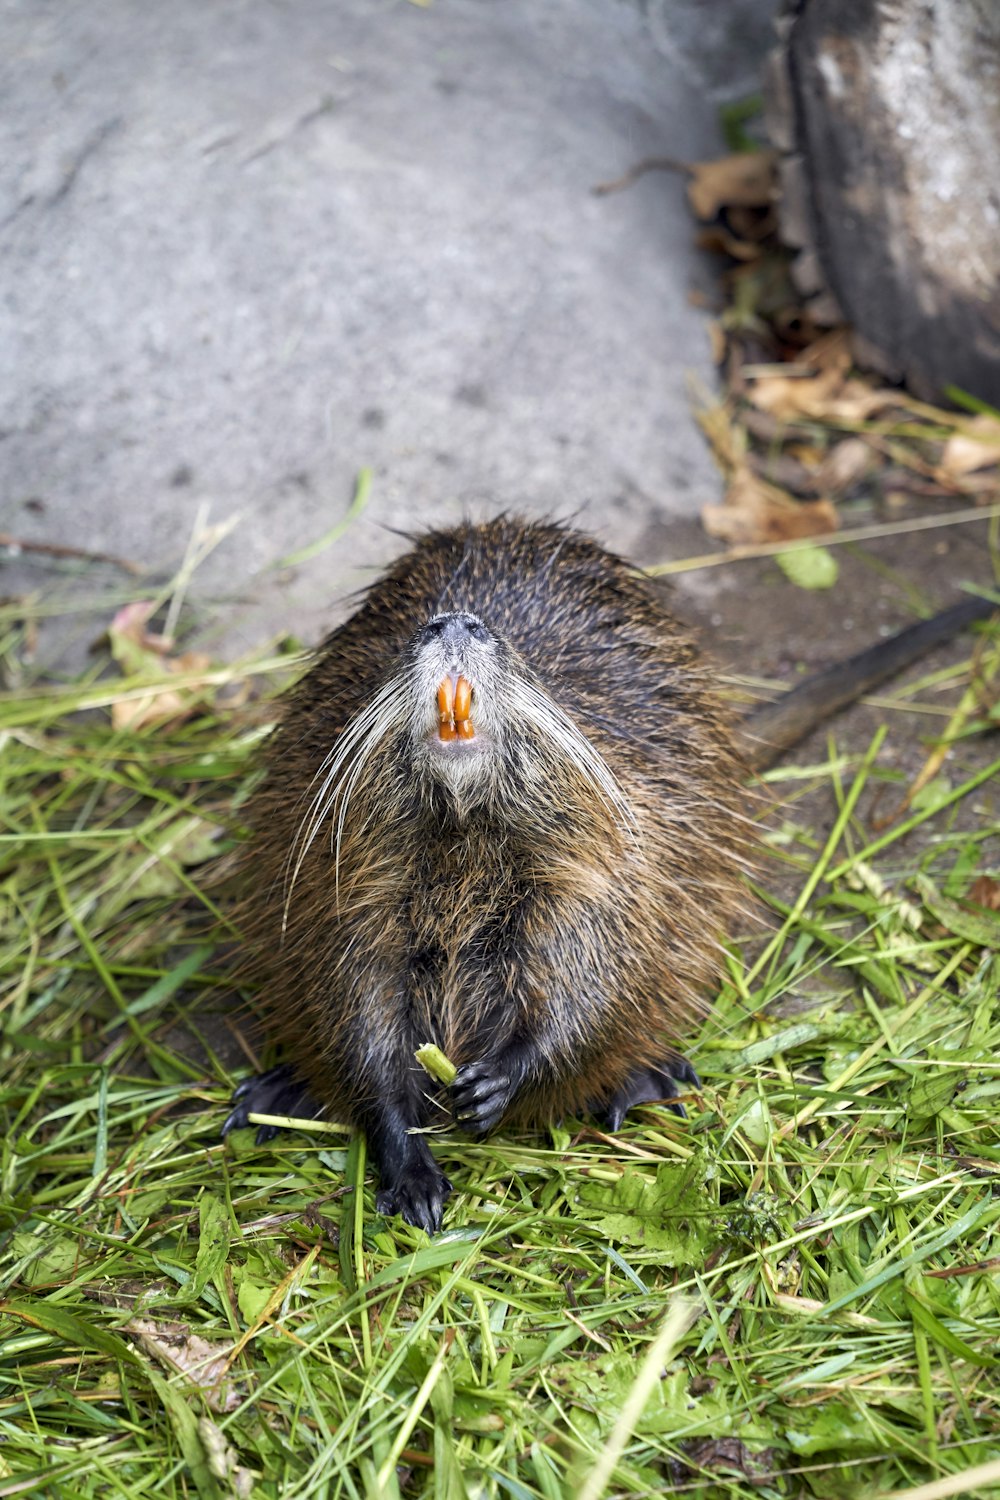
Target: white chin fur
x=458 y=764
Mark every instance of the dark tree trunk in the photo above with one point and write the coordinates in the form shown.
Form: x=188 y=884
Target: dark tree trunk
x=887 y=113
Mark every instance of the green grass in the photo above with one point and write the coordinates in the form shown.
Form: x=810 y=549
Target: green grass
x=792 y=1293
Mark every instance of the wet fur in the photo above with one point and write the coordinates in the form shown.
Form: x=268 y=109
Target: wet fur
x=556 y=936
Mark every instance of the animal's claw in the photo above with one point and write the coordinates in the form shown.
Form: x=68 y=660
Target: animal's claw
x=277 y=1092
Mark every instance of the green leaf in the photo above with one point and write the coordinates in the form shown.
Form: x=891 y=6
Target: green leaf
x=831 y=1427
x=932 y=1089
x=810 y=567
x=922 y=1311
x=252 y=1299
x=182 y=1419
x=755 y=1123
x=78 y=1332
x=983 y=1208
x=666 y=1213
x=981 y=927
x=213 y=1243
x=796 y=1035
x=48 y=1260
x=929 y=796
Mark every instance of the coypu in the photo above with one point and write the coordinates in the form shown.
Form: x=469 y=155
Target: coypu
x=503 y=813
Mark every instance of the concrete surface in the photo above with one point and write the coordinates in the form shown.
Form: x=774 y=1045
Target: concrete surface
x=251 y=247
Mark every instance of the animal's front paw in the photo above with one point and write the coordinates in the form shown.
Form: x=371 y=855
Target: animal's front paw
x=419 y=1195
x=480 y=1095
x=276 y=1092
x=658 y=1082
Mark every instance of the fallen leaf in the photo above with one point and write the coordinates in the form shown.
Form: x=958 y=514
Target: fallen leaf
x=982 y=926
x=844 y=464
x=727 y=439
x=807 y=453
x=746 y=179
x=830 y=352
x=204 y=1364
x=977 y=446
x=985 y=891
x=825 y=397
x=754 y=511
x=857 y=401
x=719 y=239
x=800 y=394
x=828 y=393
x=810 y=567
x=138 y=650
x=731 y=1456
x=132 y=644
x=223 y=1460
x=163 y=704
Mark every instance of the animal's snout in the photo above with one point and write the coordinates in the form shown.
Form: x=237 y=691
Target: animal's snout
x=457 y=630
x=454 y=643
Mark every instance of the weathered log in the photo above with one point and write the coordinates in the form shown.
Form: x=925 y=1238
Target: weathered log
x=887 y=114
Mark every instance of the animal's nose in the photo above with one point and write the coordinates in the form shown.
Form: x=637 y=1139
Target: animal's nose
x=457 y=629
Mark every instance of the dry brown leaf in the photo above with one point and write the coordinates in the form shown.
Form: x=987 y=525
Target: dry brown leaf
x=984 y=485
x=985 y=891
x=745 y=179
x=157 y=708
x=202 y=1363
x=754 y=511
x=719 y=240
x=976 y=447
x=807 y=454
x=139 y=650
x=788 y=396
x=824 y=397
x=166 y=703
x=830 y=352
x=828 y=393
x=223 y=1459
x=845 y=463
x=857 y=401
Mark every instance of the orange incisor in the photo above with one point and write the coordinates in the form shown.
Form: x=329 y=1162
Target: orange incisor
x=454 y=697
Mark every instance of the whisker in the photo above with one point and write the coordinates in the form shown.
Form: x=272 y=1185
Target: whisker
x=340 y=772
x=546 y=715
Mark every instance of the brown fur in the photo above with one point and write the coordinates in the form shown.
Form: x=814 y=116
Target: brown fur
x=535 y=913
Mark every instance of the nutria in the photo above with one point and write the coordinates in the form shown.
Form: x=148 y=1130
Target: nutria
x=504 y=813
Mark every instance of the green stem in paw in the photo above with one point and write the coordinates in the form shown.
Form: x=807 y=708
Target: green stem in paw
x=433 y=1060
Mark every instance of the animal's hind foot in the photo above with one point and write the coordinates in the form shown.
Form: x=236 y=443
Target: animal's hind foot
x=277 y=1092
x=649 y=1085
x=419 y=1196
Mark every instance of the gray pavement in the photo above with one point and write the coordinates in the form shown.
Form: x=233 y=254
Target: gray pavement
x=251 y=247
